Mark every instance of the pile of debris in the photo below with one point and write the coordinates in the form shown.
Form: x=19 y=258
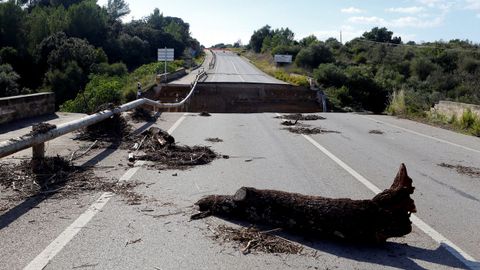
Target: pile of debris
x=214 y=140
x=470 y=171
x=299 y=116
x=294 y=126
x=251 y=239
x=372 y=221
x=57 y=175
x=142 y=115
x=41 y=128
x=158 y=146
x=309 y=131
x=376 y=131
x=113 y=130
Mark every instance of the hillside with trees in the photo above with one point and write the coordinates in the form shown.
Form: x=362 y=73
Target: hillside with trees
x=366 y=72
x=63 y=45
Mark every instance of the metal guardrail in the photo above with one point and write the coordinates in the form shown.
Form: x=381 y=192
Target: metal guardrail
x=213 y=61
x=37 y=141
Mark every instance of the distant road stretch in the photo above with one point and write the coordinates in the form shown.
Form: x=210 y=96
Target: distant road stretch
x=230 y=67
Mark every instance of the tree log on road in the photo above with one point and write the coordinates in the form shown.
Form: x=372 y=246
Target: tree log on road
x=386 y=215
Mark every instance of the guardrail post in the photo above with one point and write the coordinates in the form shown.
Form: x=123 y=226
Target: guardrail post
x=38 y=151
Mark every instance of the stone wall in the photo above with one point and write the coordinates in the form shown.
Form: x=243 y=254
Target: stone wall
x=449 y=108
x=19 y=107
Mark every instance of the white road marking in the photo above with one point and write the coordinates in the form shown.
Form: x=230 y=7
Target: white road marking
x=453 y=249
x=62 y=240
x=236 y=71
x=179 y=121
x=42 y=259
x=422 y=135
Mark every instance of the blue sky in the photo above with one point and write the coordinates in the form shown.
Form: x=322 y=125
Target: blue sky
x=215 y=21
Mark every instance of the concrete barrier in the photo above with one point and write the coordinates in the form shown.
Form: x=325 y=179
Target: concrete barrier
x=449 y=108
x=24 y=106
x=243 y=98
x=168 y=77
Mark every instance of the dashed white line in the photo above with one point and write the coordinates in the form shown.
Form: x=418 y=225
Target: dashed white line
x=62 y=240
x=423 y=135
x=177 y=123
x=42 y=259
x=236 y=71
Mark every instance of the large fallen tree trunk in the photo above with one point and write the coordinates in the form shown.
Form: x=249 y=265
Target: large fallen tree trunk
x=386 y=215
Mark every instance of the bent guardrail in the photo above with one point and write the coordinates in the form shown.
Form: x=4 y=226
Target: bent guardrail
x=37 y=141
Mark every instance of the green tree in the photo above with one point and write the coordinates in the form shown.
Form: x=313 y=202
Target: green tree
x=87 y=20
x=8 y=81
x=307 y=41
x=314 y=55
x=257 y=39
x=65 y=83
x=330 y=75
x=117 y=9
x=381 y=35
x=12 y=28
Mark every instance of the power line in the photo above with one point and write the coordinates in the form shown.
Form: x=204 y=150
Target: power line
x=477 y=49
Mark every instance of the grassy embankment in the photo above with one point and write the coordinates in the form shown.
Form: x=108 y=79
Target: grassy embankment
x=264 y=62
x=118 y=88
x=467 y=123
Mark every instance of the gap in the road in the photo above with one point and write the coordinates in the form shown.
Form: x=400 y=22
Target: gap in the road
x=453 y=249
x=42 y=260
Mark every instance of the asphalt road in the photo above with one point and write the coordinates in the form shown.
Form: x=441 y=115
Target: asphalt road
x=82 y=232
x=230 y=68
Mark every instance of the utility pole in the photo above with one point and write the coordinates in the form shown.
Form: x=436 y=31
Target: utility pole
x=341 y=41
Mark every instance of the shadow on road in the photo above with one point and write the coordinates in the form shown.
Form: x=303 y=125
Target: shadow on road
x=19 y=210
x=398 y=255
x=8 y=127
x=390 y=254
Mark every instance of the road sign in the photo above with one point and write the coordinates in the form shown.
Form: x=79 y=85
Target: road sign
x=166 y=54
x=282 y=58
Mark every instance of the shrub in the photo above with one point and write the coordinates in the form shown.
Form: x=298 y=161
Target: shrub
x=468 y=119
x=339 y=97
x=330 y=75
x=314 y=55
x=475 y=130
x=397 y=103
x=100 y=90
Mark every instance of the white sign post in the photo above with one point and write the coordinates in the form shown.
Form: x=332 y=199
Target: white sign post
x=166 y=55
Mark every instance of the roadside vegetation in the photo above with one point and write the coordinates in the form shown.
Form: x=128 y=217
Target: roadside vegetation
x=377 y=72
x=367 y=72
x=84 y=52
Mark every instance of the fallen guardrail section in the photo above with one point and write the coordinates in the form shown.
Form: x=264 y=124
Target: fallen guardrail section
x=37 y=141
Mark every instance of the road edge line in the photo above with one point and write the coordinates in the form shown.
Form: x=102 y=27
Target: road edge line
x=44 y=258
x=421 y=134
x=453 y=249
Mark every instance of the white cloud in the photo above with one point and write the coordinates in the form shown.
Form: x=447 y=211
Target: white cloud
x=408 y=10
x=352 y=10
x=367 y=20
x=409 y=21
x=473 y=5
x=416 y=22
x=431 y=3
